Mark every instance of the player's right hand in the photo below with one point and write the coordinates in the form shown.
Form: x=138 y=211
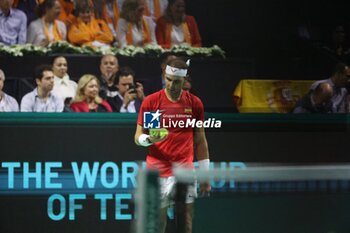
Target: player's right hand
x=204 y=187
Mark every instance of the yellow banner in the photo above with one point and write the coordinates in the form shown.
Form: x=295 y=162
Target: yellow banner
x=269 y=95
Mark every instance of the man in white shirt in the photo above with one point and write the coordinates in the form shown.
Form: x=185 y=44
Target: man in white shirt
x=129 y=95
x=7 y=103
x=41 y=99
x=13 y=24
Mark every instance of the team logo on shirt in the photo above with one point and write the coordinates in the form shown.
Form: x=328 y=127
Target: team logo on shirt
x=151 y=120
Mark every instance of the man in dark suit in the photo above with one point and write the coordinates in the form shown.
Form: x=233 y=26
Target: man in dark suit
x=129 y=95
x=109 y=66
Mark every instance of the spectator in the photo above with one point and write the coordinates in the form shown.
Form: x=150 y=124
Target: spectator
x=42 y=99
x=110 y=13
x=47 y=28
x=87 y=98
x=7 y=103
x=63 y=87
x=66 y=15
x=155 y=8
x=109 y=66
x=338 y=82
x=13 y=24
x=129 y=96
x=175 y=27
x=88 y=31
x=28 y=7
x=317 y=101
x=337 y=46
x=133 y=27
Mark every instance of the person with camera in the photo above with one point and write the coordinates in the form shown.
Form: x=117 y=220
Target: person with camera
x=129 y=95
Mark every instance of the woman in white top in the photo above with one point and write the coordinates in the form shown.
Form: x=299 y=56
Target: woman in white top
x=47 y=28
x=7 y=103
x=133 y=27
x=175 y=27
x=63 y=86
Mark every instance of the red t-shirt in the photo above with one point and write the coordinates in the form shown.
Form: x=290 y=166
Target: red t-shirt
x=177 y=148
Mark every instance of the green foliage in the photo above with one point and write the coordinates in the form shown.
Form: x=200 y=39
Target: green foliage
x=63 y=47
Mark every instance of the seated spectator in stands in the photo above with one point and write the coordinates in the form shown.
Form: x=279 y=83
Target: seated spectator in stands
x=337 y=46
x=28 y=7
x=96 y=7
x=63 y=86
x=338 y=82
x=13 y=24
x=155 y=8
x=316 y=101
x=109 y=66
x=133 y=27
x=175 y=27
x=7 y=103
x=87 y=98
x=66 y=15
x=130 y=94
x=110 y=13
x=47 y=28
x=88 y=31
x=42 y=99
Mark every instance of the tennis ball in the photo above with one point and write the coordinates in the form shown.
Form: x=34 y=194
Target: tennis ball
x=163 y=132
x=153 y=132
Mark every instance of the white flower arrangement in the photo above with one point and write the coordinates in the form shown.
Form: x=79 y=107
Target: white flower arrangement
x=64 y=47
x=150 y=50
x=188 y=50
x=21 y=50
x=153 y=50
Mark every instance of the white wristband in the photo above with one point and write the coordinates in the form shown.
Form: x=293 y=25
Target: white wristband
x=204 y=164
x=144 y=140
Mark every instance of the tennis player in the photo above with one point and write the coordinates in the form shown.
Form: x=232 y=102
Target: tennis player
x=172 y=108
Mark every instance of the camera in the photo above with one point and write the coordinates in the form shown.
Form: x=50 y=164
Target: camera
x=132 y=89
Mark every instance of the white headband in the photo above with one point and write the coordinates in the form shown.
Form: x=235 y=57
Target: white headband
x=175 y=71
